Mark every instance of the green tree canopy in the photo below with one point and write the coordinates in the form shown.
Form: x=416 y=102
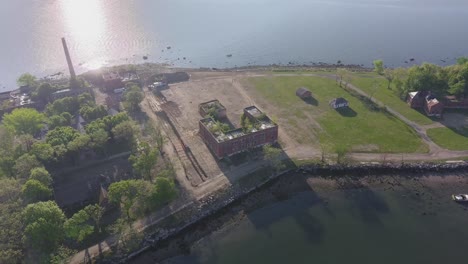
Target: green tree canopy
x=126 y=193
x=164 y=191
x=61 y=136
x=90 y=113
x=59 y=106
x=99 y=139
x=462 y=60
x=11 y=249
x=77 y=228
x=24 y=165
x=43 y=151
x=56 y=121
x=80 y=143
x=44 y=92
x=42 y=175
x=273 y=156
x=427 y=77
x=95 y=212
x=379 y=67
x=133 y=98
x=124 y=131
x=24 y=121
x=34 y=191
x=144 y=160
x=43 y=225
x=27 y=79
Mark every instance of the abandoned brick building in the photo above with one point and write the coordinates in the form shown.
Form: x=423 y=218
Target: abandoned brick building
x=260 y=130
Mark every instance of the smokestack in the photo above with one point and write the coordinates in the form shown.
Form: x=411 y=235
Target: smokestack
x=67 y=55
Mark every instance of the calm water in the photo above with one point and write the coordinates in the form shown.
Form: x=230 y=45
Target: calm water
x=106 y=32
x=357 y=226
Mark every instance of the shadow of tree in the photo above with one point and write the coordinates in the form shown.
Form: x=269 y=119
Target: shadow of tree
x=346 y=112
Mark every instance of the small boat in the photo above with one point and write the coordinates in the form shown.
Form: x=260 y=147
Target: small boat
x=461 y=198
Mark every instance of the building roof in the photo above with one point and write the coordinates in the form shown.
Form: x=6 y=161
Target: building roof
x=212 y=104
x=413 y=94
x=62 y=91
x=111 y=76
x=302 y=91
x=339 y=100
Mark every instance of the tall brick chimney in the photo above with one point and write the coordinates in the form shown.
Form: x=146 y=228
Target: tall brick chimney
x=69 y=61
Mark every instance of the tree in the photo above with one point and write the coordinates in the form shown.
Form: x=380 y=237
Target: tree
x=27 y=79
x=164 y=191
x=124 y=131
x=85 y=99
x=95 y=212
x=462 y=60
x=379 y=67
x=388 y=73
x=133 y=98
x=80 y=143
x=342 y=74
x=399 y=75
x=427 y=77
x=42 y=175
x=43 y=151
x=25 y=164
x=66 y=104
x=62 y=255
x=144 y=161
x=44 y=92
x=24 y=121
x=61 y=136
x=90 y=113
x=11 y=249
x=273 y=156
x=76 y=227
x=99 y=139
x=125 y=193
x=43 y=222
x=57 y=121
x=7 y=164
x=25 y=143
x=128 y=237
x=341 y=152
x=159 y=139
x=34 y=191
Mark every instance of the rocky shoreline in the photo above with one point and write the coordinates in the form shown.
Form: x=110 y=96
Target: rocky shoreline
x=232 y=204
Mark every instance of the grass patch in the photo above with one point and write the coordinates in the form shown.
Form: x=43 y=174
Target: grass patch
x=449 y=138
x=377 y=87
x=356 y=129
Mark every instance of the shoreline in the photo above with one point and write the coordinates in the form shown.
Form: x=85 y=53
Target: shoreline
x=145 y=65
x=178 y=241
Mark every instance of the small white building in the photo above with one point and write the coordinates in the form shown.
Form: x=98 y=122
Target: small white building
x=339 y=102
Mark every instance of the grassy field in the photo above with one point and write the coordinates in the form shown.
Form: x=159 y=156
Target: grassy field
x=358 y=129
x=376 y=86
x=448 y=138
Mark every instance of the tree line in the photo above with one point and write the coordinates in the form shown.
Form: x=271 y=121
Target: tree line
x=441 y=81
x=32 y=143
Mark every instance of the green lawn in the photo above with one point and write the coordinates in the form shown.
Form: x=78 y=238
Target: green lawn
x=359 y=129
x=448 y=138
x=376 y=86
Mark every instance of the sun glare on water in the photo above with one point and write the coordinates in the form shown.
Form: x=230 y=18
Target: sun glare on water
x=85 y=25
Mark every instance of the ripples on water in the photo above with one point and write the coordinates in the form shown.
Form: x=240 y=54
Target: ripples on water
x=204 y=31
